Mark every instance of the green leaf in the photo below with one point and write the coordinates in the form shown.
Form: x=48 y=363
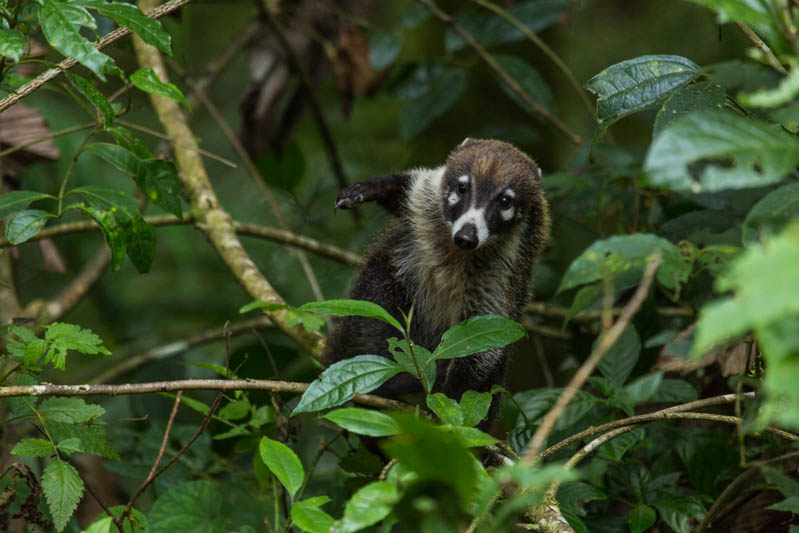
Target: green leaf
x=69 y=410
x=674 y=390
x=771 y=213
x=439 y=93
x=116 y=155
x=339 y=382
x=529 y=79
x=25 y=224
x=477 y=334
x=307 y=516
x=364 y=421
x=790 y=505
x=260 y=304
x=147 y=80
x=490 y=29
x=624 y=258
x=620 y=360
x=643 y=388
x=14 y=201
x=63 y=489
x=61 y=23
x=754 y=13
x=194 y=506
x=474 y=406
x=615 y=448
x=93 y=95
x=445 y=408
x=384 y=47
x=235 y=410
x=351 y=307
x=140 y=245
x=64 y=337
x=100 y=525
x=371 y=504
x=711 y=151
x=12 y=43
x=148 y=29
x=471 y=437
x=641 y=518
x=33 y=448
x=537 y=402
x=695 y=97
x=680 y=513
x=785 y=92
x=136 y=522
x=115 y=238
x=126 y=139
x=639 y=83
x=283 y=463
x=70 y=445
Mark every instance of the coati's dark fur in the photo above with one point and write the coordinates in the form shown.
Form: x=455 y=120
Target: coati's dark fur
x=447 y=258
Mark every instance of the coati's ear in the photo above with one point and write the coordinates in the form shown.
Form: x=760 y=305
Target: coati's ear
x=466 y=142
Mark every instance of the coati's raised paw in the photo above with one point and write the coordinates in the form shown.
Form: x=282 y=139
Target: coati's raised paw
x=355 y=194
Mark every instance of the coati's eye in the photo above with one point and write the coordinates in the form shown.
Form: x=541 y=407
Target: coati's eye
x=462 y=188
x=505 y=202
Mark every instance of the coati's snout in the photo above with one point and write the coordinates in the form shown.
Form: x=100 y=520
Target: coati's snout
x=466 y=238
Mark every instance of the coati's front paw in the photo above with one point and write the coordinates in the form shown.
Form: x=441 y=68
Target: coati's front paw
x=355 y=194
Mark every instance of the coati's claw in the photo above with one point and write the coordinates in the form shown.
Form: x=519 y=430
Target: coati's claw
x=351 y=196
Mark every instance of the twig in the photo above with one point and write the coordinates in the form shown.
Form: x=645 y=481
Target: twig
x=37 y=140
x=159 y=353
x=554 y=311
x=584 y=372
x=512 y=83
x=546 y=331
x=771 y=59
x=159 y=135
x=68 y=63
x=151 y=476
x=51 y=389
x=542 y=359
x=242 y=228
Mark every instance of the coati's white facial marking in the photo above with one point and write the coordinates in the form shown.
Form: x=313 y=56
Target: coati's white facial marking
x=473 y=216
x=508 y=212
x=463 y=179
x=455 y=196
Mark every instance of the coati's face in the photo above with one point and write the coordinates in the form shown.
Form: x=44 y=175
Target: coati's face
x=488 y=190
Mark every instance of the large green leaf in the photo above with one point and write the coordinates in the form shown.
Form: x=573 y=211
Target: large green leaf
x=771 y=213
x=283 y=463
x=14 y=201
x=307 y=516
x=63 y=489
x=439 y=93
x=339 y=382
x=474 y=406
x=368 y=506
x=25 y=224
x=529 y=79
x=620 y=360
x=351 y=307
x=711 y=151
x=12 y=43
x=477 y=334
x=148 y=29
x=364 y=421
x=194 y=506
x=148 y=81
x=624 y=257
x=61 y=23
x=638 y=83
x=33 y=448
x=695 y=97
x=69 y=410
x=93 y=95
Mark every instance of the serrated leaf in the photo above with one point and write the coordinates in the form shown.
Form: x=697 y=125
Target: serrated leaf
x=14 y=201
x=283 y=463
x=69 y=410
x=445 y=408
x=12 y=43
x=709 y=151
x=368 y=506
x=638 y=83
x=33 y=448
x=624 y=258
x=70 y=445
x=35 y=350
x=339 y=382
x=93 y=95
x=63 y=489
x=91 y=436
x=621 y=358
x=477 y=334
x=438 y=95
x=474 y=406
x=695 y=97
x=529 y=79
x=771 y=213
x=148 y=29
x=235 y=410
x=148 y=81
x=641 y=518
x=364 y=421
x=64 y=337
x=307 y=516
x=471 y=437
x=351 y=307
x=194 y=506
x=61 y=23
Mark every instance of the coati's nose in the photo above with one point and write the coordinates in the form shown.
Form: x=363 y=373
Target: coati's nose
x=466 y=237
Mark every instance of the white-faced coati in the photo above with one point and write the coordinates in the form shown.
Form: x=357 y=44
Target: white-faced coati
x=466 y=237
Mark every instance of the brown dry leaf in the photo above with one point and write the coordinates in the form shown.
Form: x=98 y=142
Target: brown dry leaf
x=352 y=67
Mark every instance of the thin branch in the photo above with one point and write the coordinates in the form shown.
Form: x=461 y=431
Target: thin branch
x=129 y=363
x=51 y=389
x=159 y=135
x=771 y=59
x=68 y=63
x=504 y=76
x=37 y=140
x=536 y=40
x=606 y=341
x=242 y=228
x=554 y=311
x=151 y=476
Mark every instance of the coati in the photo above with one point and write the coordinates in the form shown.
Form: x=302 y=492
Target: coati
x=464 y=242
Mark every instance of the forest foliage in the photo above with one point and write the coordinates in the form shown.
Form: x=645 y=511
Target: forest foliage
x=656 y=373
